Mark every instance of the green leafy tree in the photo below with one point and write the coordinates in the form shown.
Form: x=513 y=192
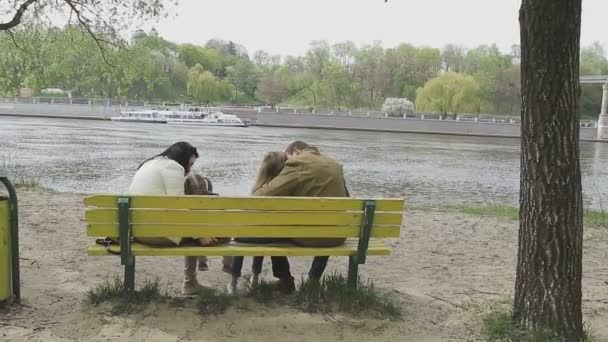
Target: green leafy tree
x=244 y=76
x=271 y=90
x=337 y=84
x=453 y=58
x=592 y=62
x=204 y=87
x=449 y=93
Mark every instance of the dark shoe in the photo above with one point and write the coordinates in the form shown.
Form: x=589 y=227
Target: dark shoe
x=284 y=285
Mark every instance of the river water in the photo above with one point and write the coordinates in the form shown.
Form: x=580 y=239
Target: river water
x=426 y=170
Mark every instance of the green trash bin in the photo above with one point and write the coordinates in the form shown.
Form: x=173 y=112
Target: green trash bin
x=6 y=289
x=9 y=244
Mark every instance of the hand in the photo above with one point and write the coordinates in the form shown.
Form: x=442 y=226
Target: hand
x=207 y=241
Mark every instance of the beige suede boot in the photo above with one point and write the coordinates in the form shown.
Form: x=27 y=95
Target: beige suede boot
x=191 y=285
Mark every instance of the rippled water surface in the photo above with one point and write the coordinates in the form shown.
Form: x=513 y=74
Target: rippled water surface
x=99 y=156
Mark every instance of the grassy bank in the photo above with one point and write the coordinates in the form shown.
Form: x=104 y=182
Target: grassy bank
x=591 y=217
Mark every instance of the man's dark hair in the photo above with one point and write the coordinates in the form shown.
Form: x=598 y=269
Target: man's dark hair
x=296 y=145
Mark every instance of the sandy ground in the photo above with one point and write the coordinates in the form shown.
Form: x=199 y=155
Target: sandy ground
x=447 y=269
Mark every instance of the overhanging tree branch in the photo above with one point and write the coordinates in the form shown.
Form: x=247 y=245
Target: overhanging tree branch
x=17 y=17
x=14 y=40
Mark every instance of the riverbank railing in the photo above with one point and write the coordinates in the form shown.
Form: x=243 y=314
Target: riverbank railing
x=108 y=107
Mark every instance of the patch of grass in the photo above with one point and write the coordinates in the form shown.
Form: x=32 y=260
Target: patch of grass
x=493 y=210
x=590 y=216
x=213 y=302
x=16 y=174
x=28 y=184
x=123 y=302
x=596 y=217
x=498 y=326
x=262 y=292
x=332 y=293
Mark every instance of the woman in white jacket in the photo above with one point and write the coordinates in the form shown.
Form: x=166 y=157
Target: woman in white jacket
x=165 y=174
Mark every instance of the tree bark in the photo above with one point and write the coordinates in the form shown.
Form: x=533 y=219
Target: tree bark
x=549 y=267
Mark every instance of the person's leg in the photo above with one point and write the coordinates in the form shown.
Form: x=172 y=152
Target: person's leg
x=237 y=265
x=202 y=263
x=280 y=269
x=317 y=268
x=280 y=264
x=235 y=270
x=227 y=264
x=191 y=285
x=256 y=269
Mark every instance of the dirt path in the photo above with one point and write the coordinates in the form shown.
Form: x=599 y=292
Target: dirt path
x=446 y=269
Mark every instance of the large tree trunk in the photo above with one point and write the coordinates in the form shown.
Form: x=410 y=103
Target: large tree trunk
x=549 y=267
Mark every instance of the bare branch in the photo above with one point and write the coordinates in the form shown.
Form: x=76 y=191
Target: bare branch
x=15 y=41
x=17 y=17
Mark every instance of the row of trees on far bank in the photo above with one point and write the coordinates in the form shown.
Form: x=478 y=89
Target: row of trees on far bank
x=339 y=76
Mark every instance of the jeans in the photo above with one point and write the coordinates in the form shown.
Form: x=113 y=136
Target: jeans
x=237 y=265
x=280 y=264
x=279 y=270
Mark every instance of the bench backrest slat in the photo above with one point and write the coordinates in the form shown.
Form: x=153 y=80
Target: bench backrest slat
x=151 y=230
x=220 y=217
x=245 y=203
x=212 y=216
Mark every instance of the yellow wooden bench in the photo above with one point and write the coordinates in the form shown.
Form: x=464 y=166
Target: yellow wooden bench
x=211 y=216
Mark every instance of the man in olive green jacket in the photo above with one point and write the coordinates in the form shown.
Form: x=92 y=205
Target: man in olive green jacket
x=307 y=173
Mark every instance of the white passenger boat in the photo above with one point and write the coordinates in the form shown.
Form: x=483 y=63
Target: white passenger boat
x=149 y=116
x=181 y=117
x=213 y=119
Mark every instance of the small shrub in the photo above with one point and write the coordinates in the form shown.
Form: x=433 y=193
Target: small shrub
x=28 y=184
x=213 y=302
x=333 y=294
x=123 y=302
x=17 y=175
x=105 y=291
x=498 y=326
x=262 y=292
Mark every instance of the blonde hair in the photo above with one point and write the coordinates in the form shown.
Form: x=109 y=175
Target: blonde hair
x=272 y=165
x=197 y=185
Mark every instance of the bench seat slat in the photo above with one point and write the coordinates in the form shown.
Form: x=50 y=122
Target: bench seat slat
x=245 y=203
x=222 y=217
x=240 y=249
x=152 y=230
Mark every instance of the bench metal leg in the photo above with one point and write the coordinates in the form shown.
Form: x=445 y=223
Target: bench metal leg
x=353 y=271
x=130 y=274
x=126 y=257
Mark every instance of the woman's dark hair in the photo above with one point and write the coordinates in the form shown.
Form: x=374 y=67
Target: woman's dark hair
x=181 y=152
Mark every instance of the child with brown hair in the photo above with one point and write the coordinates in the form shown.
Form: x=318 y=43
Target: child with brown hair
x=271 y=166
x=198 y=185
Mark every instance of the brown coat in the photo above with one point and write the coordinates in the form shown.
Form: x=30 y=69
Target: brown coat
x=309 y=174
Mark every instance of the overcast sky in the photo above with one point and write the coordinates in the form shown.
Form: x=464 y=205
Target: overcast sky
x=287 y=26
